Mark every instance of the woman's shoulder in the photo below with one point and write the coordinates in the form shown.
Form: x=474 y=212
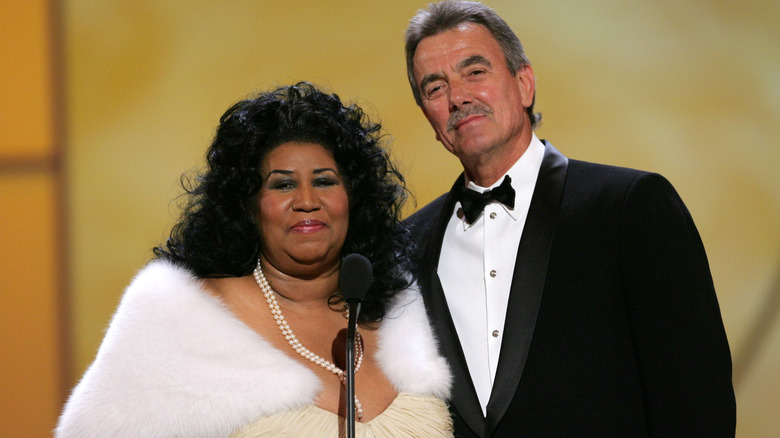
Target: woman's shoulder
x=175 y=359
x=164 y=283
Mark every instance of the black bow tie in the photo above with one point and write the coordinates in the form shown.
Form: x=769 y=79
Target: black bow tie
x=473 y=202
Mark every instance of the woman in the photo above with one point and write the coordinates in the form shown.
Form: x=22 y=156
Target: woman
x=236 y=328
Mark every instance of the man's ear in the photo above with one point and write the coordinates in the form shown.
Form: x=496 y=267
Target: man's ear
x=527 y=82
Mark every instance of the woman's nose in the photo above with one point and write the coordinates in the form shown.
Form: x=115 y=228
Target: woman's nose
x=305 y=199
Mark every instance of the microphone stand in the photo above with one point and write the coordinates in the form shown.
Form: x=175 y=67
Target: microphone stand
x=354 y=310
x=354 y=282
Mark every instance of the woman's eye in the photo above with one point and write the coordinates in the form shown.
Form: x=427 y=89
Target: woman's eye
x=324 y=182
x=282 y=185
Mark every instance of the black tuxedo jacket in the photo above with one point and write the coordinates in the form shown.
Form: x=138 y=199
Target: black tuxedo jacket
x=613 y=328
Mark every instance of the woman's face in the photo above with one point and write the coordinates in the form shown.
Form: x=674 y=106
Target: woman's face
x=303 y=209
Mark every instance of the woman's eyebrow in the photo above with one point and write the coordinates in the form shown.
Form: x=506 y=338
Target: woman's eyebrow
x=283 y=172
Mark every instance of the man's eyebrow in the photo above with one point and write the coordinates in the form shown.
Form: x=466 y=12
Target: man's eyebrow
x=432 y=77
x=473 y=59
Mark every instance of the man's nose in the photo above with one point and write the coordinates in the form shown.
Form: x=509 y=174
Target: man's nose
x=459 y=95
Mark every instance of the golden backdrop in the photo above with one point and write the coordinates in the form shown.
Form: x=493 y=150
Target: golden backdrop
x=688 y=89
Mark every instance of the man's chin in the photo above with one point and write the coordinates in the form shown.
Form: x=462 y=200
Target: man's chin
x=472 y=149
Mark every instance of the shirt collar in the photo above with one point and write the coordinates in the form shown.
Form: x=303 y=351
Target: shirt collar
x=523 y=174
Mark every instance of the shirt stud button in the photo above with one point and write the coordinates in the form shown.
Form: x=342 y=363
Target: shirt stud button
x=493 y=273
x=493 y=215
x=495 y=333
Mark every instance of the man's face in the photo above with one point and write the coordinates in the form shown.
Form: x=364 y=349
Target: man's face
x=472 y=101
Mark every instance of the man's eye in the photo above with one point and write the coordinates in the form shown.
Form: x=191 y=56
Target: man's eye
x=434 y=91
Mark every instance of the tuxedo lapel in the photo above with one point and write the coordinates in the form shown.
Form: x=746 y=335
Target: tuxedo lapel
x=463 y=397
x=527 y=283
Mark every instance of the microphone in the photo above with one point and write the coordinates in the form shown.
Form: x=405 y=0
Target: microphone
x=354 y=281
x=355 y=278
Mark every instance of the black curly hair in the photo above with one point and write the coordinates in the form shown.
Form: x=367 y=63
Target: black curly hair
x=217 y=234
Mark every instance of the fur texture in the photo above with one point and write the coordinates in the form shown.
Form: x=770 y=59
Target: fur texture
x=176 y=362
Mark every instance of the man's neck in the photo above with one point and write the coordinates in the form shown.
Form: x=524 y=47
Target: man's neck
x=485 y=170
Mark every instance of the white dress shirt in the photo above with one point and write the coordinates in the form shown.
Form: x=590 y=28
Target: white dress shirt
x=476 y=265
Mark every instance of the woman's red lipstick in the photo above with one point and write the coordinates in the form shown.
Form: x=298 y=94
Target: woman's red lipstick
x=308 y=226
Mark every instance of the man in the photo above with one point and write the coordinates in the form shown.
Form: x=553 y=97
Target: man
x=571 y=299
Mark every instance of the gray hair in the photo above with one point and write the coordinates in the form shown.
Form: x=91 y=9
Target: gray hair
x=448 y=14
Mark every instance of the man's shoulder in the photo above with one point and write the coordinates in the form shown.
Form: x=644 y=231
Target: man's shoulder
x=587 y=181
x=428 y=213
x=596 y=174
x=605 y=169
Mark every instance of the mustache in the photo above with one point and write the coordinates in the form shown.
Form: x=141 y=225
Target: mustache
x=466 y=111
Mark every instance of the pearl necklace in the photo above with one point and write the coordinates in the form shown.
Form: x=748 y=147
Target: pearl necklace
x=284 y=327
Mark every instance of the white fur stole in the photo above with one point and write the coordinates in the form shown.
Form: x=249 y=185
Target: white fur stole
x=175 y=362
